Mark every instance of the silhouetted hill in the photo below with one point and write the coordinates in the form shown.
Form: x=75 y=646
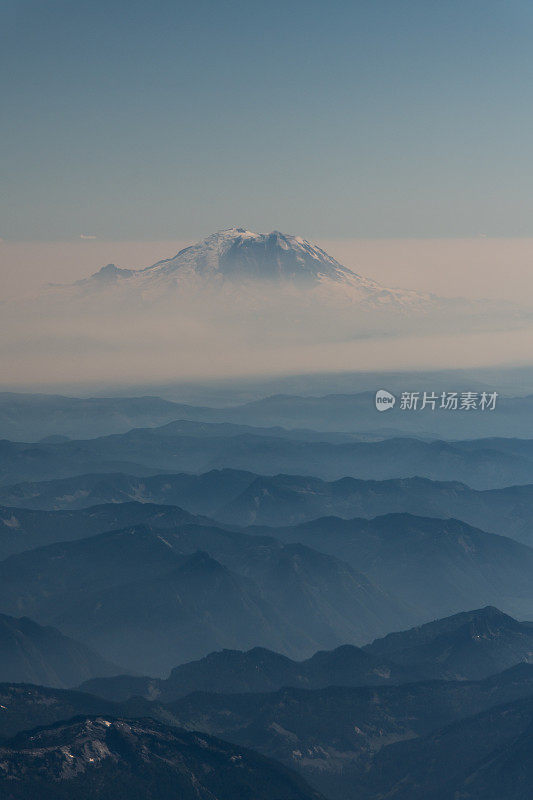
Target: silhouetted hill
x=257 y=670
x=468 y=646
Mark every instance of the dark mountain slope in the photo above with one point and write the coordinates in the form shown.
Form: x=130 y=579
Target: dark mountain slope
x=438 y=567
x=332 y=735
x=485 y=757
x=131 y=596
x=257 y=670
x=468 y=646
x=472 y=644
x=93 y=758
x=145 y=596
x=341 y=738
x=30 y=653
x=24 y=529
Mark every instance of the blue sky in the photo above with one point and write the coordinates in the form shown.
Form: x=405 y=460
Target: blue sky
x=371 y=118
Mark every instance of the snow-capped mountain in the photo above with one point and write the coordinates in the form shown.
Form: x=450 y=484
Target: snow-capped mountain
x=238 y=253
x=236 y=303
x=242 y=257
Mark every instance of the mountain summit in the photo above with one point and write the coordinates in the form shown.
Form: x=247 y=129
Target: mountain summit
x=239 y=257
x=237 y=252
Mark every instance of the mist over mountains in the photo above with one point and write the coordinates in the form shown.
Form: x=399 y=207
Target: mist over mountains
x=482 y=463
x=468 y=646
x=330 y=604
x=236 y=303
x=342 y=596
x=238 y=256
x=332 y=417
x=266 y=505
x=157 y=592
x=157 y=597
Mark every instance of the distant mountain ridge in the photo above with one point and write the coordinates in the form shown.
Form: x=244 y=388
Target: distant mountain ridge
x=241 y=498
x=25 y=529
x=330 y=417
x=481 y=463
x=471 y=645
x=256 y=670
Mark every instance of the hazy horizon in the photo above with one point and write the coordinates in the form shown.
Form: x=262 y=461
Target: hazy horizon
x=194 y=337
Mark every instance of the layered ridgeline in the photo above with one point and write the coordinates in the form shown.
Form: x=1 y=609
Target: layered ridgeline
x=152 y=597
x=173 y=588
x=311 y=731
x=468 y=646
x=238 y=497
x=32 y=417
x=308 y=726
x=193 y=448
